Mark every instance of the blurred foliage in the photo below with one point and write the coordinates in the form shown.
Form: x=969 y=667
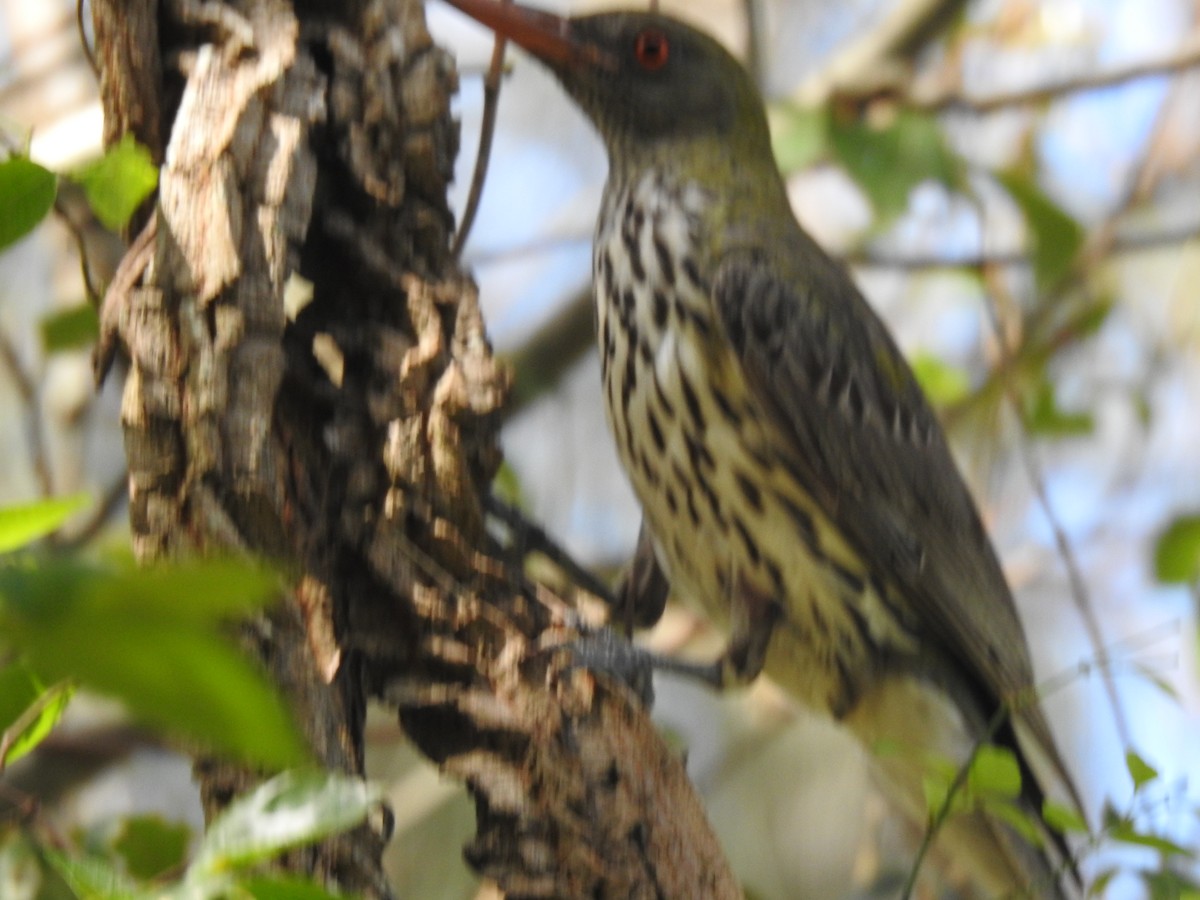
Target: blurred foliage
x=70 y=329
x=887 y=154
x=891 y=154
x=158 y=640
x=992 y=783
x=115 y=184
x=1177 y=551
x=118 y=182
x=1056 y=237
x=150 y=847
x=1044 y=416
x=291 y=809
x=25 y=523
x=942 y=383
x=27 y=193
x=799 y=135
x=28 y=710
x=146 y=858
x=1173 y=876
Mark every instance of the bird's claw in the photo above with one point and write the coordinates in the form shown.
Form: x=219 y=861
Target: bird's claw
x=604 y=650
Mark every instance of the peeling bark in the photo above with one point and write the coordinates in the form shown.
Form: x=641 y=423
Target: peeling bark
x=352 y=441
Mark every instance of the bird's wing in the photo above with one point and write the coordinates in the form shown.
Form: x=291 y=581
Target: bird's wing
x=875 y=458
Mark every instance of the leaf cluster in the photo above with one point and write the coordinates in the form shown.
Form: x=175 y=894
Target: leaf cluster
x=991 y=783
x=159 y=641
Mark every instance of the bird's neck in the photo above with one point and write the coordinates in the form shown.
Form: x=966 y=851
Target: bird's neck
x=732 y=194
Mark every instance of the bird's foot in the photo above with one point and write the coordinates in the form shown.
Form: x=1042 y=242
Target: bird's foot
x=607 y=651
x=604 y=650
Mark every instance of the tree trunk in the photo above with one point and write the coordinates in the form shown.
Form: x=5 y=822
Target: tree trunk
x=309 y=381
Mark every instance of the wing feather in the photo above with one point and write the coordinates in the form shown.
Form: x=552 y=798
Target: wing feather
x=871 y=450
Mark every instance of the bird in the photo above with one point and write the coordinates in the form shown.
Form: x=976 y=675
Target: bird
x=795 y=483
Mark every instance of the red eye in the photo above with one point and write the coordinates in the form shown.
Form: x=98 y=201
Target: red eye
x=651 y=49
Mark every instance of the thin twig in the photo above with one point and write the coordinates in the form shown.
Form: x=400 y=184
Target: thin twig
x=77 y=230
x=1078 y=586
x=1127 y=243
x=558 y=344
x=752 y=13
x=110 y=502
x=942 y=813
x=31 y=713
x=530 y=537
x=28 y=391
x=83 y=41
x=1103 y=660
x=1103 y=240
x=1187 y=56
x=1135 y=242
x=487 y=131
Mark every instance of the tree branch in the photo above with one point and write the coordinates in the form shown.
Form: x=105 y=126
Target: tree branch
x=361 y=469
x=1186 y=56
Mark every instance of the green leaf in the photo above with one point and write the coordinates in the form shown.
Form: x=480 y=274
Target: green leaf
x=71 y=328
x=942 y=383
x=24 y=524
x=1055 y=236
x=208 y=592
x=90 y=877
x=19 y=688
x=1177 y=551
x=889 y=747
x=22 y=873
x=939 y=774
x=152 y=846
x=936 y=791
x=507 y=486
x=994 y=772
x=118 y=182
x=1110 y=818
x=1168 y=885
x=1101 y=882
x=1140 y=771
x=1063 y=818
x=27 y=193
x=889 y=160
x=291 y=809
x=215 y=887
x=1143 y=407
x=1093 y=318
x=280 y=887
x=1018 y=819
x=158 y=641
x=1043 y=415
x=1157 y=680
x=938 y=777
x=799 y=135
x=36 y=722
x=1126 y=834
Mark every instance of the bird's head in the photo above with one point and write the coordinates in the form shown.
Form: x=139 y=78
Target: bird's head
x=648 y=82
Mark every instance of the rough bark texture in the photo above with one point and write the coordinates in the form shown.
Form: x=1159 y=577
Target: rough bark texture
x=351 y=441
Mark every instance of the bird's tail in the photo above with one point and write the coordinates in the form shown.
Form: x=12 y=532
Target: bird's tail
x=919 y=737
